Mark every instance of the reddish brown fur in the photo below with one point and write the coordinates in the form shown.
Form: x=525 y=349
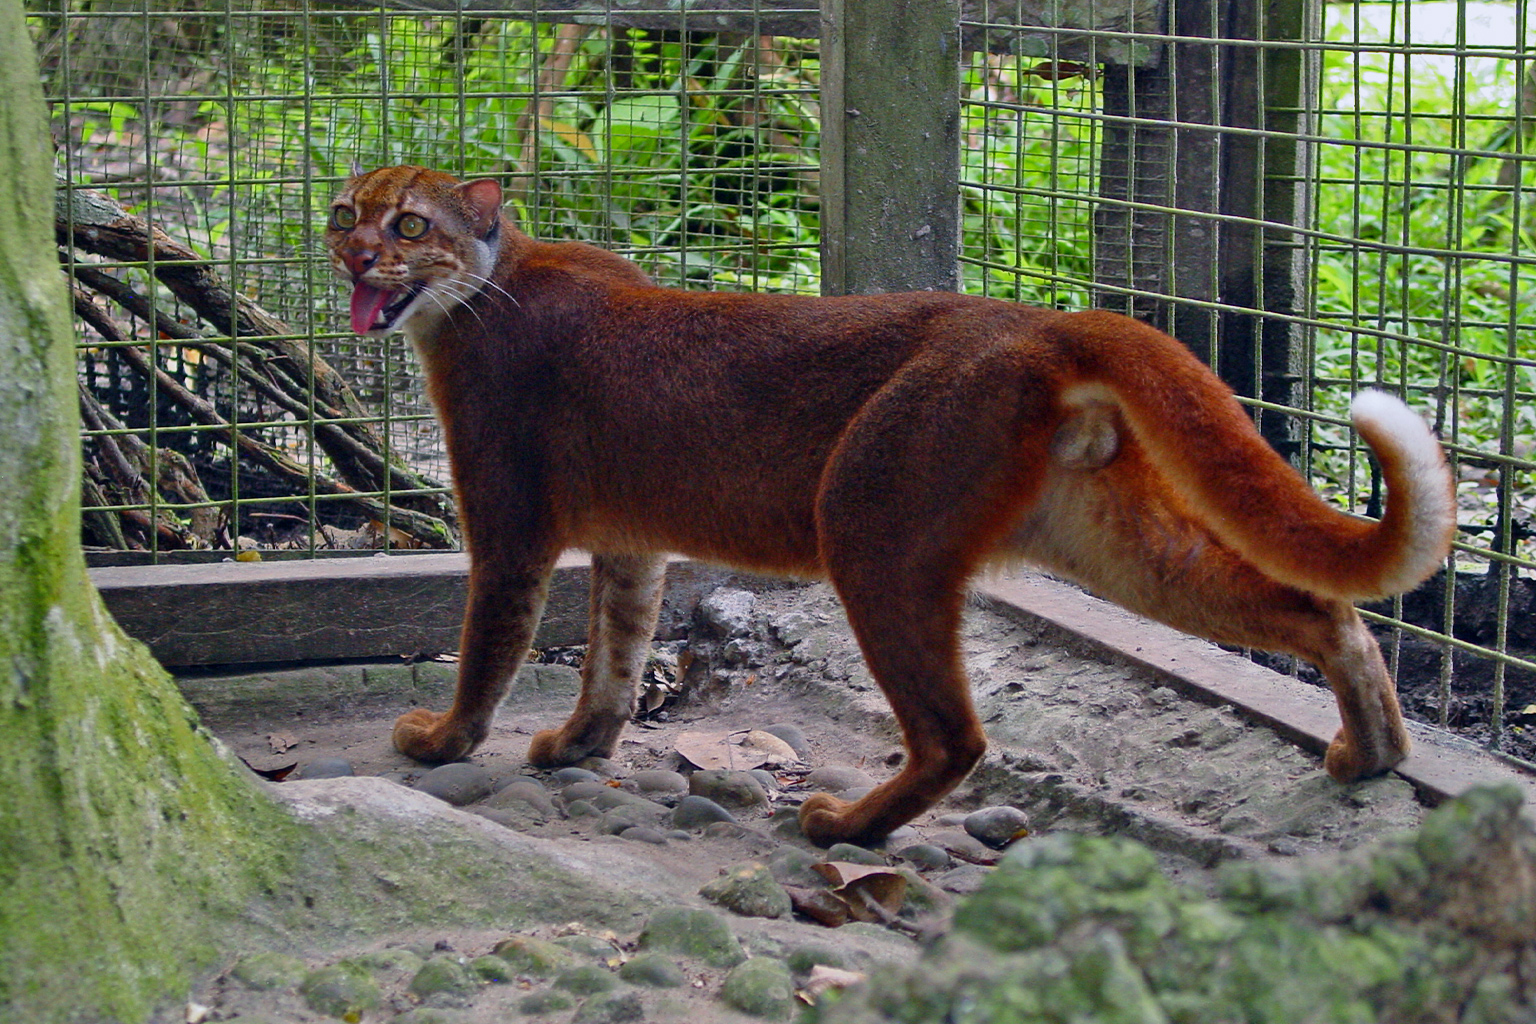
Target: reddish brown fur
x=894 y=444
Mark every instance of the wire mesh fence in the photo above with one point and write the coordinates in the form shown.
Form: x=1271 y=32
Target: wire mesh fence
x=228 y=127
x=1324 y=198
x=1355 y=180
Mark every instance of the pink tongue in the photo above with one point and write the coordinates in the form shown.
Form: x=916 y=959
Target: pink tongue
x=366 y=303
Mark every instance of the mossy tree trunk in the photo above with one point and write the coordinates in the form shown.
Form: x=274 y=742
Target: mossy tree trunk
x=126 y=839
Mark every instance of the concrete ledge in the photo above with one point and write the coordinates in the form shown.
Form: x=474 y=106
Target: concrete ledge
x=236 y=613
x=1440 y=766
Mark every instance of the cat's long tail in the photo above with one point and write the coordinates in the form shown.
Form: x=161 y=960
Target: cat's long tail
x=1199 y=436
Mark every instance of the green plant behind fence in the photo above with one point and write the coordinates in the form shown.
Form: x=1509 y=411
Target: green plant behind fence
x=698 y=154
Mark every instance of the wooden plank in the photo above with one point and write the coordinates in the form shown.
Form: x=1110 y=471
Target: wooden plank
x=235 y=613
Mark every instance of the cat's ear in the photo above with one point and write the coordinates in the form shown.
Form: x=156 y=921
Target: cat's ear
x=357 y=170
x=484 y=198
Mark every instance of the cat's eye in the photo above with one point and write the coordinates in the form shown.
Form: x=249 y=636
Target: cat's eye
x=343 y=218
x=412 y=226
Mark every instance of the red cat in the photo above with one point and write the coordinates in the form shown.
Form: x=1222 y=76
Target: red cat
x=893 y=444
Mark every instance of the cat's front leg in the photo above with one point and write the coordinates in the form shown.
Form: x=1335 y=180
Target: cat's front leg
x=626 y=597
x=506 y=598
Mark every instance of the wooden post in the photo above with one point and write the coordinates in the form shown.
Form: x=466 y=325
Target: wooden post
x=890 y=146
x=1189 y=168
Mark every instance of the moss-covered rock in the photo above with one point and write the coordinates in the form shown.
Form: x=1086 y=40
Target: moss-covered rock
x=344 y=990
x=269 y=971
x=1075 y=928
x=536 y=958
x=691 y=932
x=760 y=987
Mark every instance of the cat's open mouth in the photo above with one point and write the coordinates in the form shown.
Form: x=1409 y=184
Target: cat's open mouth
x=377 y=309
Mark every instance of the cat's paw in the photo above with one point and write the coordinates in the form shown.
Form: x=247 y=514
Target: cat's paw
x=550 y=749
x=823 y=819
x=1347 y=762
x=429 y=736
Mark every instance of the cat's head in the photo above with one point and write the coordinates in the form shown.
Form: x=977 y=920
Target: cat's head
x=414 y=243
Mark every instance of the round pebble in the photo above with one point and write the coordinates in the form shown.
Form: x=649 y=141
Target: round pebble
x=997 y=826
x=566 y=776
x=926 y=857
x=325 y=768
x=852 y=854
x=527 y=797
x=584 y=789
x=728 y=788
x=697 y=811
x=644 y=834
x=602 y=767
x=459 y=783
x=963 y=846
x=836 y=778
x=793 y=735
x=657 y=784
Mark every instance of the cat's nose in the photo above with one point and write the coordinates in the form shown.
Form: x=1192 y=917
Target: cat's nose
x=360 y=261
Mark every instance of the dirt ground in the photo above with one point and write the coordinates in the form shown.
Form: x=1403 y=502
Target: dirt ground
x=1078 y=743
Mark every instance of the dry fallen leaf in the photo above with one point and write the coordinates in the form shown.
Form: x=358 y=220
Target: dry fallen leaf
x=871 y=893
x=824 y=979
x=741 y=751
x=281 y=741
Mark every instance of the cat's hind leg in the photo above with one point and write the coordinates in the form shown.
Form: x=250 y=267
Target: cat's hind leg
x=625 y=600
x=1115 y=526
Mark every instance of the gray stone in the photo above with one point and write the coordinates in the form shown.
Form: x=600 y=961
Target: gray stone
x=760 y=987
x=926 y=857
x=653 y=971
x=792 y=866
x=688 y=931
x=583 y=789
x=644 y=834
x=524 y=797
x=793 y=735
x=617 y=820
x=966 y=847
x=566 y=776
x=997 y=826
x=657 y=784
x=838 y=778
x=459 y=783
x=855 y=854
x=728 y=788
x=727 y=612
x=325 y=768
x=696 y=811
x=748 y=890
x=269 y=971
x=341 y=989
x=600 y=766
